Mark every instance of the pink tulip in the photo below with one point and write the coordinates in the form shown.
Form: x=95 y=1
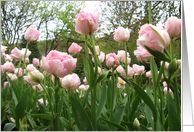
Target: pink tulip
x=13 y=77
x=124 y=94
x=142 y=54
x=83 y=87
x=74 y=48
x=5 y=84
x=34 y=78
x=20 y=71
x=30 y=67
x=149 y=74
x=97 y=50
x=3 y=49
x=18 y=55
x=173 y=27
x=121 y=35
x=31 y=34
x=87 y=22
x=85 y=80
x=121 y=83
x=27 y=60
x=41 y=101
x=164 y=84
x=8 y=58
x=71 y=81
x=166 y=64
x=166 y=90
x=101 y=57
x=58 y=63
x=121 y=56
x=35 y=62
x=121 y=70
x=130 y=71
x=138 y=69
x=112 y=60
x=154 y=37
x=7 y=65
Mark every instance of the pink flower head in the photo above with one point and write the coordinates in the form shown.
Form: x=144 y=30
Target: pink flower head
x=112 y=60
x=142 y=54
x=20 y=71
x=97 y=50
x=3 y=49
x=121 y=70
x=87 y=22
x=121 y=35
x=85 y=80
x=149 y=74
x=5 y=84
x=27 y=60
x=13 y=77
x=41 y=101
x=8 y=58
x=164 y=84
x=173 y=27
x=71 y=81
x=121 y=56
x=138 y=69
x=74 y=48
x=39 y=87
x=130 y=71
x=166 y=90
x=7 y=65
x=31 y=34
x=154 y=37
x=18 y=55
x=58 y=63
x=83 y=87
x=34 y=78
x=35 y=62
x=101 y=57
x=166 y=64
x=30 y=67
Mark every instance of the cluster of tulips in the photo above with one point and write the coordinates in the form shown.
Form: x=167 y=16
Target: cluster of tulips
x=44 y=79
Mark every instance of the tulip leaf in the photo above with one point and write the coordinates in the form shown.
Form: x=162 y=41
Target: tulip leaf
x=135 y=103
x=23 y=104
x=65 y=123
x=9 y=126
x=174 y=122
x=121 y=128
x=102 y=126
x=90 y=46
x=158 y=54
x=81 y=118
x=142 y=94
x=103 y=77
x=43 y=116
x=85 y=98
x=102 y=100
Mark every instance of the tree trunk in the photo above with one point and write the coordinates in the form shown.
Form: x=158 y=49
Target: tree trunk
x=58 y=44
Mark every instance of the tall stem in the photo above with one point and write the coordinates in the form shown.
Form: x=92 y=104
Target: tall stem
x=57 y=86
x=93 y=99
x=113 y=88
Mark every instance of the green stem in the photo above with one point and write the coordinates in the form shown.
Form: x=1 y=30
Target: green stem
x=93 y=90
x=68 y=107
x=113 y=88
x=57 y=86
x=171 y=49
x=176 y=95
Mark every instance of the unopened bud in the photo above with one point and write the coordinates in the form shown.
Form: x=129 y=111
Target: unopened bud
x=136 y=124
x=173 y=66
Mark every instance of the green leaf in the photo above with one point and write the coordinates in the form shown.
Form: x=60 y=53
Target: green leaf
x=81 y=118
x=65 y=123
x=102 y=126
x=118 y=115
x=121 y=128
x=23 y=124
x=102 y=100
x=23 y=104
x=135 y=103
x=103 y=77
x=109 y=95
x=9 y=126
x=158 y=54
x=43 y=116
x=174 y=122
x=41 y=128
x=154 y=70
x=85 y=98
x=143 y=95
x=89 y=46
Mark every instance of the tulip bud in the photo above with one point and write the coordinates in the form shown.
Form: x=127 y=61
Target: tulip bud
x=34 y=78
x=173 y=66
x=136 y=124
